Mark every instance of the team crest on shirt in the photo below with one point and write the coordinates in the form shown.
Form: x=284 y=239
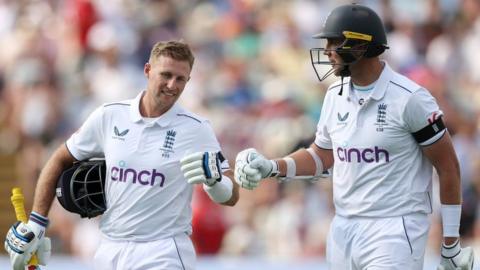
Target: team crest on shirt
x=119 y=135
x=381 y=117
x=167 y=147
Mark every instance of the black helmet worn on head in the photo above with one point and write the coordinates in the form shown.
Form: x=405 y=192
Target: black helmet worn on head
x=81 y=188
x=361 y=30
x=356 y=22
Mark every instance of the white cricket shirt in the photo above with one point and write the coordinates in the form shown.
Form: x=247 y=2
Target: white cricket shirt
x=379 y=170
x=147 y=195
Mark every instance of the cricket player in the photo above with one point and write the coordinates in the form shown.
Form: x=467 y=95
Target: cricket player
x=383 y=133
x=155 y=151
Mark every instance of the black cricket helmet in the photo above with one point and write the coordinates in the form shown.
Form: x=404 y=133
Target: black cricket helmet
x=361 y=31
x=81 y=188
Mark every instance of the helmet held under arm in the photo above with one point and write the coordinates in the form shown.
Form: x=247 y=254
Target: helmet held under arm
x=81 y=188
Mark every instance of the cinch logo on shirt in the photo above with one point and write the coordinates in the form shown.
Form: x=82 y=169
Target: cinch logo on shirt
x=367 y=155
x=143 y=177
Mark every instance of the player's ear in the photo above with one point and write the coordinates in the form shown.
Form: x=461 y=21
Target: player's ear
x=146 y=69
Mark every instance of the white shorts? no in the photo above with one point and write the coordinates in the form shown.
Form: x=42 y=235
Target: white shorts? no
x=175 y=253
x=377 y=243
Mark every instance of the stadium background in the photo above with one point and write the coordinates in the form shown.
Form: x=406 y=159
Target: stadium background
x=252 y=77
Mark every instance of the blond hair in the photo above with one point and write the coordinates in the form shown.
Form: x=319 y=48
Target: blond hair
x=177 y=50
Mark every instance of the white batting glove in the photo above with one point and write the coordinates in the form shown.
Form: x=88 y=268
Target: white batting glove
x=456 y=258
x=202 y=168
x=251 y=167
x=23 y=240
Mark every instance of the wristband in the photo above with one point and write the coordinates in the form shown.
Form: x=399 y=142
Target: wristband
x=38 y=224
x=275 y=172
x=452 y=250
x=291 y=167
x=220 y=192
x=451 y=219
x=39 y=219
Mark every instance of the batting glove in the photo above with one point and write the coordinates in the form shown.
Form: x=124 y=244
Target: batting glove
x=456 y=258
x=25 y=239
x=251 y=167
x=202 y=167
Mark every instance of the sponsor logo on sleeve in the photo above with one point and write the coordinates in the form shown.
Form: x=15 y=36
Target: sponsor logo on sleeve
x=432 y=118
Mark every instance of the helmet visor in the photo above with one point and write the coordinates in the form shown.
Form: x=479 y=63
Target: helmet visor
x=349 y=50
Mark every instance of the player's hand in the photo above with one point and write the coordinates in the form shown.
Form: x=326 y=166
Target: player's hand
x=251 y=167
x=456 y=258
x=202 y=167
x=24 y=239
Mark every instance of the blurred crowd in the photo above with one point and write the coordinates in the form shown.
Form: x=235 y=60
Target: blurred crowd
x=252 y=78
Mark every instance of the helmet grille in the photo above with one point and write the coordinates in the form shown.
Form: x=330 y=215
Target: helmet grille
x=87 y=189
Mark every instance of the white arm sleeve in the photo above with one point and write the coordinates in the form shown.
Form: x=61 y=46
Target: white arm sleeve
x=220 y=192
x=318 y=161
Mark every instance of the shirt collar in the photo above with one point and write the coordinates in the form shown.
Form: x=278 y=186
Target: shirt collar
x=135 y=115
x=382 y=82
x=163 y=120
x=380 y=87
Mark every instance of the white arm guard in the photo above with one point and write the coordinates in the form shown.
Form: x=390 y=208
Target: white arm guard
x=291 y=169
x=221 y=191
x=318 y=162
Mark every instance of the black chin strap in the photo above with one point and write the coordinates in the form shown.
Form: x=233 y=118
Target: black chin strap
x=341 y=87
x=345 y=72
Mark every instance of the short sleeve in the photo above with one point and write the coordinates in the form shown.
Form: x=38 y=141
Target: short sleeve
x=88 y=140
x=322 y=137
x=420 y=112
x=208 y=142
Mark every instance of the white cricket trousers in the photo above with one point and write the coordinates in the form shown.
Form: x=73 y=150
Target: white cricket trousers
x=175 y=253
x=361 y=243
